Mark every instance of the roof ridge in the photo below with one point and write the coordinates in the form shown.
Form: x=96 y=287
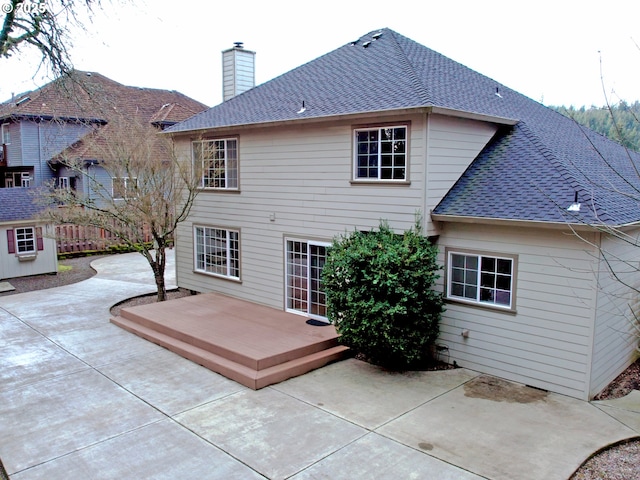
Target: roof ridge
x=421 y=89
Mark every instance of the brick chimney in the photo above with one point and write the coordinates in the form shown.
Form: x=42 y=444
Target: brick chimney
x=238 y=71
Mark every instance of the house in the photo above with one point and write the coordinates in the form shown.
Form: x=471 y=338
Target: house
x=40 y=127
x=517 y=197
x=26 y=246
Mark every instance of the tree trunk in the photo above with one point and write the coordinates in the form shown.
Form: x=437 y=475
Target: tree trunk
x=158 y=272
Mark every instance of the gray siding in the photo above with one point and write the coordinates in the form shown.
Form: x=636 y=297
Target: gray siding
x=295 y=181
x=547 y=342
x=453 y=143
x=615 y=340
x=301 y=177
x=40 y=141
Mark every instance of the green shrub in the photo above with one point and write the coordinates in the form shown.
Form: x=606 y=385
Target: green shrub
x=380 y=296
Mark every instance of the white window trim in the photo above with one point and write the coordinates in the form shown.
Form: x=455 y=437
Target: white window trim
x=229 y=270
x=33 y=239
x=63 y=183
x=227 y=177
x=357 y=179
x=514 y=268
x=309 y=279
x=126 y=187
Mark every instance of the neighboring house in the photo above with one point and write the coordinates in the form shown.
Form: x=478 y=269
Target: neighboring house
x=384 y=127
x=26 y=246
x=40 y=127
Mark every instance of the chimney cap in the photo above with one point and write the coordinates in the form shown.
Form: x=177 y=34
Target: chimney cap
x=238 y=44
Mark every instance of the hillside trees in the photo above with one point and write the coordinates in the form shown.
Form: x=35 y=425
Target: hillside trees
x=619 y=122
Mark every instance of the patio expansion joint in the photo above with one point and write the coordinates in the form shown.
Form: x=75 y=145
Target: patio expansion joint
x=85 y=447
x=375 y=430
x=435 y=397
x=206 y=440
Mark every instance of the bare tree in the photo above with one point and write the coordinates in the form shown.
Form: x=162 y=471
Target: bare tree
x=44 y=25
x=129 y=178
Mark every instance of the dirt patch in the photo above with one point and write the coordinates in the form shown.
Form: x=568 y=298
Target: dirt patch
x=498 y=390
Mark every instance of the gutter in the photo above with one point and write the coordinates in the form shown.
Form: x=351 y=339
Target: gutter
x=527 y=223
x=347 y=116
x=47 y=118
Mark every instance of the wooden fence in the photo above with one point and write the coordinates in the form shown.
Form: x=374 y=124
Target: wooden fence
x=77 y=238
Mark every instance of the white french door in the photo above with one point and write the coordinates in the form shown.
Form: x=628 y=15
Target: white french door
x=304 y=261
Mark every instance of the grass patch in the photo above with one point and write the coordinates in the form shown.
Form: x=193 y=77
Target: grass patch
x=64 y=268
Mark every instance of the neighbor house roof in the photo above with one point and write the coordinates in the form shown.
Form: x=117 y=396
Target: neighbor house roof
x=530 y=171
x=90 y=96
x=18 y=204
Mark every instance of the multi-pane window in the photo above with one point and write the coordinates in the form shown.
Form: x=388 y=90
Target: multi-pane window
x=124 y=187
x=25 y=240
x=217 y=251
x=218 y=160
x=381 y=153
x=480 y=278
x=304 y=289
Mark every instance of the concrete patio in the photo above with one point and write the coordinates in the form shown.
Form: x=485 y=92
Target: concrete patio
x=82 y=398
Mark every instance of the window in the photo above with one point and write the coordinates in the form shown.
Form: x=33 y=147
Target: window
x=124 y=187
x=5 y=136
x=17 y=179
x=25 y=180
x=219 y=162
x=63 y=183
x=381 y=154
x=25 y=240
x=304 y=290
x=481 y=279
x=217 y=251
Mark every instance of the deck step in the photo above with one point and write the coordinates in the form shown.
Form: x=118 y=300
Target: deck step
x=238 y=372
x=252 y=344
x=218 y=338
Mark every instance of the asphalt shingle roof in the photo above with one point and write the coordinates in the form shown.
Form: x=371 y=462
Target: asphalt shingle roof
x=18 y=204
x=531 y=171
x=90 y=96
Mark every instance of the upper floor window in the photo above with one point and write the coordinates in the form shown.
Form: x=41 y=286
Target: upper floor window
x=481 y=279
x=5 y=136
x=218 y=160
x=381 y=154
x=17 y=179
x=124 y=187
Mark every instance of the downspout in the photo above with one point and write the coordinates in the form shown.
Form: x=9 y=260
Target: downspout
x=427 y=224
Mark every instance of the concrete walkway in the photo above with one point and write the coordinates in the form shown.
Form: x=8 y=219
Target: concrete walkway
x=81 y=398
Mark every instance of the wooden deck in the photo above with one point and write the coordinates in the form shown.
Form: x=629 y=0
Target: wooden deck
x=252 y=344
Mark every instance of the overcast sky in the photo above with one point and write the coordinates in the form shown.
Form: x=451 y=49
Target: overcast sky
x=550 y=51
